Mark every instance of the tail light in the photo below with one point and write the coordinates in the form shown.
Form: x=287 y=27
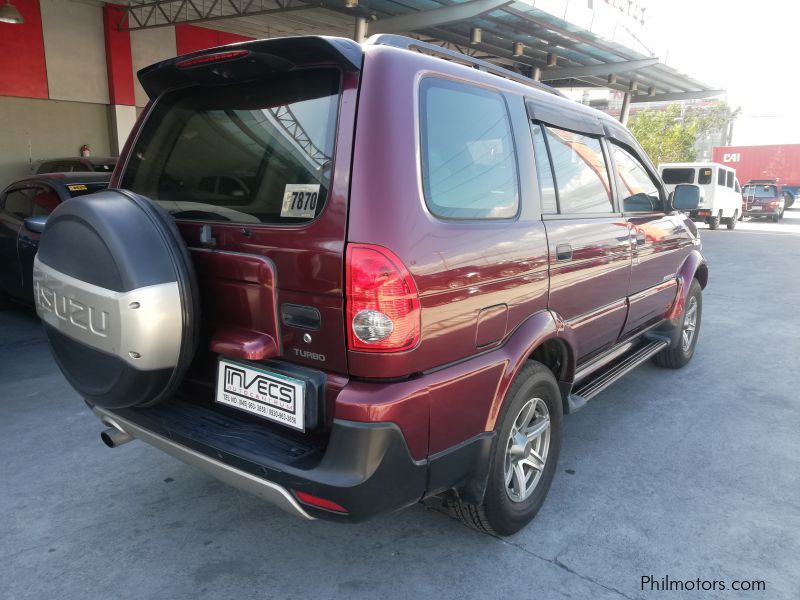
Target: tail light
x=382 y=301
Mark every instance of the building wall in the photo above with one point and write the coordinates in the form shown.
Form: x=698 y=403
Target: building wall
x=147 y=47
x=74 y=49
x=22 y=49
x=55 y=86
x=33 y=129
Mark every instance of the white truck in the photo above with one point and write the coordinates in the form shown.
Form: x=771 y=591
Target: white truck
x=720 y=192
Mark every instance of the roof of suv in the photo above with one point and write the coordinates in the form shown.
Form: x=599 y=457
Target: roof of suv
x=75 y=177
x=245 y=59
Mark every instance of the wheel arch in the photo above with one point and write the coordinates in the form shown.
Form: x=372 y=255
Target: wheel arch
x=545 y=338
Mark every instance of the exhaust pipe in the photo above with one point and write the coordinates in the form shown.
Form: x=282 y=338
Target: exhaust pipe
x=113 y=437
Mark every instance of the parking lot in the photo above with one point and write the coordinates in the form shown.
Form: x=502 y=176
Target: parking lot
x=689 y=474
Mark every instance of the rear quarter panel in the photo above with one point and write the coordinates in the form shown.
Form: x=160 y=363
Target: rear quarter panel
x=459 y=267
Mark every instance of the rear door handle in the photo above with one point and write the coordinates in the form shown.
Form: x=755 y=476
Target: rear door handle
x=564 y=252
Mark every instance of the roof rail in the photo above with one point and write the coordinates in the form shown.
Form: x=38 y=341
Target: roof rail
x=407 y=43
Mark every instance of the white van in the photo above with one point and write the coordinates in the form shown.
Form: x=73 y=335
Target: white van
x=720 y=192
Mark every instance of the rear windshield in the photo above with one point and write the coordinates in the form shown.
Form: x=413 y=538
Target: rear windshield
x=760 y=191
x=245 y=153
x=678 y=175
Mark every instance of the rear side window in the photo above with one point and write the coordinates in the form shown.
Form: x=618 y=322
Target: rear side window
x=678 y=175
x=704 y=176
x=721 y=177
x=580 y=172
x=468 y=162
x=256 y=152
x=729 y=179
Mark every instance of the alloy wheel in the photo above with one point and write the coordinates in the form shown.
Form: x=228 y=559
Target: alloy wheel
x=526 y=450
x=689 y=324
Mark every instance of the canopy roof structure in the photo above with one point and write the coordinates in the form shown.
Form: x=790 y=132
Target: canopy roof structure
x=515 y=34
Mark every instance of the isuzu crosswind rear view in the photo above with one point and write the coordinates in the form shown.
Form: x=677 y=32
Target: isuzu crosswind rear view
x=347 y=278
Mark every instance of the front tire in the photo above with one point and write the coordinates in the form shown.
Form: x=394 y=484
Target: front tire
x=524 y=457
x=680 y=353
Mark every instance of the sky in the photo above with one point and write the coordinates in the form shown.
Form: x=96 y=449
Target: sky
x=751 y=49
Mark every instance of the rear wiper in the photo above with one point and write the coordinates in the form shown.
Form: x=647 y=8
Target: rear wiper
x=199 y=215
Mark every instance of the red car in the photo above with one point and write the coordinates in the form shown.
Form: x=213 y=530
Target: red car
x=762 y=198
x=349 y=277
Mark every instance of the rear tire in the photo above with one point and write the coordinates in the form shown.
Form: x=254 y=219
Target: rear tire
x=533 y=403
x=713 y=222
x=680 y=353
x=731 y=224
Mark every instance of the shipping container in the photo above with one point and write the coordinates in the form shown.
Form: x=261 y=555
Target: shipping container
x=780 y=162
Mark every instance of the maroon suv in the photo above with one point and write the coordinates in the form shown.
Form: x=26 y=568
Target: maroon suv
x=761 y=198
x=349 y=277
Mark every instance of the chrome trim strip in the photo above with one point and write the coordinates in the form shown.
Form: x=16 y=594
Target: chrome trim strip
x=263 y=488
x=143 y=327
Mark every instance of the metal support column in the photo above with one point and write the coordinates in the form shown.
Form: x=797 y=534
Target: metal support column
x=360 y=34
x=626 y=108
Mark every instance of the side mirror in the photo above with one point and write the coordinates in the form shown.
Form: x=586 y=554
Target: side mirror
x=685 y=197
x=36 y=224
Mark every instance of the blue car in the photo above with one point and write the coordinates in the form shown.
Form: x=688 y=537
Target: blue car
x=24 y=207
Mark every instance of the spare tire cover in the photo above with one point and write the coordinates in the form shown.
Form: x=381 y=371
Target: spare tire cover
x=116 y=291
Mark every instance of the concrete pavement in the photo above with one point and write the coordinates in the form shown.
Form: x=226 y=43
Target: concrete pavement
x=687 y=474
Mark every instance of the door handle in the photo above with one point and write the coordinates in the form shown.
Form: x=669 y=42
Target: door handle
x=564 y=252
x=641 y=238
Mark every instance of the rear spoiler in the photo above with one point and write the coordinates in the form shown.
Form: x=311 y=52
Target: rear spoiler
x=249 y=60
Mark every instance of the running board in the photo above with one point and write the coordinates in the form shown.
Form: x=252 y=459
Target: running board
x=605 y=377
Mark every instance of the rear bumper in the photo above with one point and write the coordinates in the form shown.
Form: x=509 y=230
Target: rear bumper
x=366 y=468
x=765 y=211
x=266 y=490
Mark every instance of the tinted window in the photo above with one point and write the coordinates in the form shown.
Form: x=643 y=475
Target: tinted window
x=19 y=203
x=44 y=201
x=544 y=172
x=677 y=175
x=247 y=153
x=721 y=177
x=704 y=176
x=760 y=191
x=729 y=179
x=580 y=172
x=468 y=162
x=46 y=167
x=637 y=190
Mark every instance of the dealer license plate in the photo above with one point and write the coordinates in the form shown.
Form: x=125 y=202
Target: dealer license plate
x=262 y=392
